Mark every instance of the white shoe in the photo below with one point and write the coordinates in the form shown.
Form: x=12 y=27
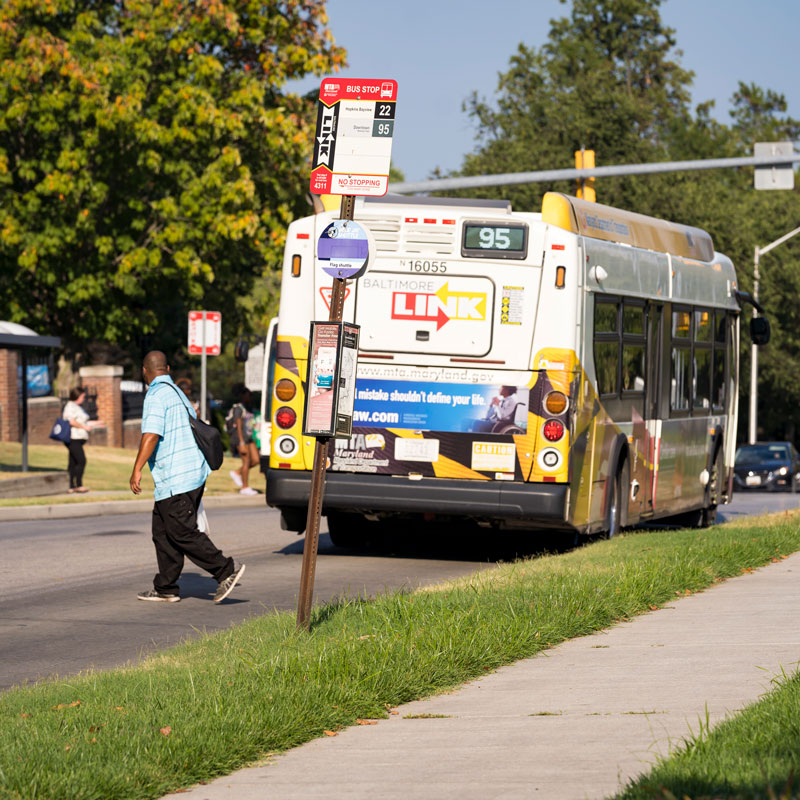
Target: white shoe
x=236 y=478
x=248 y=490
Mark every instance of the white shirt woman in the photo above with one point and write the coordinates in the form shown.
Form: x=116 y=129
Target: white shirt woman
x=79 y=433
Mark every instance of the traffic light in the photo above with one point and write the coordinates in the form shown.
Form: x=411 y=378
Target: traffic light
x=584 y=159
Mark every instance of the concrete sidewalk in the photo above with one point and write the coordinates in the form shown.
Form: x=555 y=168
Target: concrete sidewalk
x=575 y=722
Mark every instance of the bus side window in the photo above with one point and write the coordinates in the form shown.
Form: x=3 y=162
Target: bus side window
x=606 y=345
x=720 y=357
x=703 y=332
x=633 y=347
x=680 y=377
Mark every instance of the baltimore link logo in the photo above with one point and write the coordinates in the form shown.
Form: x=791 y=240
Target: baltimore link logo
x=439 y=307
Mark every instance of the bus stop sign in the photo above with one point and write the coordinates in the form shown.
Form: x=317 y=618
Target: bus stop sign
x=353 y=138
x=344 y=249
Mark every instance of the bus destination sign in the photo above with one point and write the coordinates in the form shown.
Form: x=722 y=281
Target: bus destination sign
x=353 y=141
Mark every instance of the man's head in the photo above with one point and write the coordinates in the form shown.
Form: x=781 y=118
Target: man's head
x=507 y=391
x=154 y=364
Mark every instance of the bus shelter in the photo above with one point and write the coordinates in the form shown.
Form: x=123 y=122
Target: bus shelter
x=24 y=341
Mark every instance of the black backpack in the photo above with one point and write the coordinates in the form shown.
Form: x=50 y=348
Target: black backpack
x=207 y=438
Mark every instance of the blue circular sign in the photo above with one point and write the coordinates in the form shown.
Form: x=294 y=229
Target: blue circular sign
x=344 y=248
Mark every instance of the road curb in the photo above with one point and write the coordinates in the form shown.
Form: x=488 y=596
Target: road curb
x=112 y=507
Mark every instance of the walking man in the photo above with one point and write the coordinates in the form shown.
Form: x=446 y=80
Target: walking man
x=179 y=472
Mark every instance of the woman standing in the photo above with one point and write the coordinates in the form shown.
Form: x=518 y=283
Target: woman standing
x=239 y=423
x=79 y=433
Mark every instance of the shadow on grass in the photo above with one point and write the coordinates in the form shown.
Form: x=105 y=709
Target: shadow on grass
x=17 y=469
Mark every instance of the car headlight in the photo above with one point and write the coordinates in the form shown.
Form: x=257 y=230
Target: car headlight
x=783 y=471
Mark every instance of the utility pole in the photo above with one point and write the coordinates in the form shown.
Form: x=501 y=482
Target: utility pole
x=759 y=251
x=584 y=159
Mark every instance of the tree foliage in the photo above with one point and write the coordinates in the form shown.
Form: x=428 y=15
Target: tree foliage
x=150 y=158
x=609 y=79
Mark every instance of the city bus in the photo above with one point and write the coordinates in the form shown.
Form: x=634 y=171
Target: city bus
x=573 y=370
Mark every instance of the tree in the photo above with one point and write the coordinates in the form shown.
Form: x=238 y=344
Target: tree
x=609 y=79
x=603 y=80
x=150 y=158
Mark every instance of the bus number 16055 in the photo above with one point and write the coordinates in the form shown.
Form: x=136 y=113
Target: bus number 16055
x=426 y=266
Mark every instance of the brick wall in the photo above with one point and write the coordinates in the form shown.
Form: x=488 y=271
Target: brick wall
x=131 y=433
x=105 y=381
x=42 y=413
x=9 y=396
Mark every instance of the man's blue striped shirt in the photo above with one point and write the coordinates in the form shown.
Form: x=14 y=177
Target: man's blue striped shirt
x=177 y=465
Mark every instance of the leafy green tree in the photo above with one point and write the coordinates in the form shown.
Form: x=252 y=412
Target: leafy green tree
x=150 y=159
x=604 y=80
x=609 y=79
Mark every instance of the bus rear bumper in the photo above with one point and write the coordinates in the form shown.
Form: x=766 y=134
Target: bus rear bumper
x=543 y=504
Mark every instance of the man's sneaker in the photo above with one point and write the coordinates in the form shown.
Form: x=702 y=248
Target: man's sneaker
x=236 y=478
x=226 y=587
x=158 y=597
x=248 y=490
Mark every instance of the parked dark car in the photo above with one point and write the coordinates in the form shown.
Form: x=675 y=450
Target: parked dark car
x=767 y=465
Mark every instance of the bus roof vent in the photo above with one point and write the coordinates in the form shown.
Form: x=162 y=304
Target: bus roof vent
x=385 y=230
x=429 y=239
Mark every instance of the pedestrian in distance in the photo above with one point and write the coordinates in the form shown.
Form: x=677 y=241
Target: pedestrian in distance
x=79 y=434
x=179 y=472
x=239 y=423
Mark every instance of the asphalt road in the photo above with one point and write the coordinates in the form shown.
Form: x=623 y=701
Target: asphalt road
x=68 y=587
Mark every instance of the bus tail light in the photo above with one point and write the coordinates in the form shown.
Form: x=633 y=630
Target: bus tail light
x=285 y=390
x=556 y=403
x=553 y=430
x=296 y=263
x=285 y=417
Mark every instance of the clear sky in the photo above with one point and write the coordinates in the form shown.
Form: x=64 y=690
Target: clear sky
x=440 y=51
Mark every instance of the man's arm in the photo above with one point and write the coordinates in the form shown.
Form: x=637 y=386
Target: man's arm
x=146 y=446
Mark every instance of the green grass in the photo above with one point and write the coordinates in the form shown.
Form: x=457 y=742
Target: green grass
x=108 y=469
x=220 y=702
x=755 y=754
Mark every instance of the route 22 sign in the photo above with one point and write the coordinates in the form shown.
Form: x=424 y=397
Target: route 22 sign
x=353 y=142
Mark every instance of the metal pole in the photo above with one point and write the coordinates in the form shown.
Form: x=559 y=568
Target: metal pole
x=317 y=489
x=24 y=410
x=759 y=251
x=203 y=367
x=753 y=422
x=544 y=176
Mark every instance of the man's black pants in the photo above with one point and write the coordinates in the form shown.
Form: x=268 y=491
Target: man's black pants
x=175 y=535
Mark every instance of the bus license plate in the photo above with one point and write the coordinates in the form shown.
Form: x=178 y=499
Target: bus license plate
x=753 y=480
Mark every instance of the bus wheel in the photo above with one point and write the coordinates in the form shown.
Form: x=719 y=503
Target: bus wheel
x=708 y=515
x=347 y=530
x=617 y=497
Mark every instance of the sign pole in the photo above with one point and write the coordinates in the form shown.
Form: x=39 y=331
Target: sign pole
x=317 y=489
x=203 y=358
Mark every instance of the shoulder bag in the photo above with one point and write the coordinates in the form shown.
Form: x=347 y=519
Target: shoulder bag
x=206 y=437
x=61 y=431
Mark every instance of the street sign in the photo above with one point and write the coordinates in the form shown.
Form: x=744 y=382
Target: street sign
x=333 y=355
x=209 y=334
x=344 y=249
x=778 y=176
x=254 y=367
x=353 y=142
